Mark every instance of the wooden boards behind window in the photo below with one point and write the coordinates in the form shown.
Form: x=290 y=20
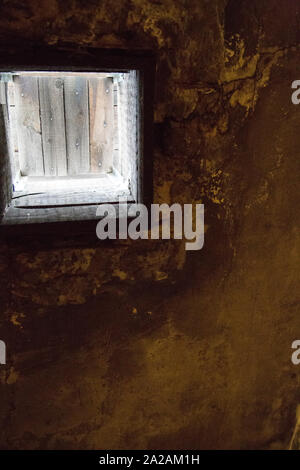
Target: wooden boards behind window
x=77 y=125
x=101 y=124
x=52 y=126
x=28 y=126
x=65 y=126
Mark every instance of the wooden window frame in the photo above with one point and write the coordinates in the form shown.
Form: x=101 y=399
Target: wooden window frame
x=60 y=59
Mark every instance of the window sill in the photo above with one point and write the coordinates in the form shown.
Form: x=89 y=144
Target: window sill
x=53 y=227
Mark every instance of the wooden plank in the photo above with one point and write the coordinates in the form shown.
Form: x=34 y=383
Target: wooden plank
x=5 y=173
x=16 y=215
x=28 y=126
x=63 y=74
x=12 y=116
x=2 y=93
x=53 y=126
x=11 y=93
x=77 y=125
x=116 y=155
x=101 y=124
x=128 y=129
x=67 y=199
x=52 y=184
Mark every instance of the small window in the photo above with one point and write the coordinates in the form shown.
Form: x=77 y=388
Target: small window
x=73 y=140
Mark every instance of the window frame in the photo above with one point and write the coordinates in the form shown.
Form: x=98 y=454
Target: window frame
x=71 y=59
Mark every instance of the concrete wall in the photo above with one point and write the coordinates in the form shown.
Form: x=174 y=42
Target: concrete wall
x=139 y=344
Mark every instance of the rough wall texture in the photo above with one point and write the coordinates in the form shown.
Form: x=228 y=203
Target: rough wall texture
x=139 y=344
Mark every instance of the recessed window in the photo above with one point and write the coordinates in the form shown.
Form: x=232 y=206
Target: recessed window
x=73 y=140
x=76 y=131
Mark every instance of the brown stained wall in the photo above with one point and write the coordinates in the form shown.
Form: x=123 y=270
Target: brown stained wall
x=139 y=344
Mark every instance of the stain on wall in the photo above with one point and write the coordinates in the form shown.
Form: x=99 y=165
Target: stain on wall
x=140 y=344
